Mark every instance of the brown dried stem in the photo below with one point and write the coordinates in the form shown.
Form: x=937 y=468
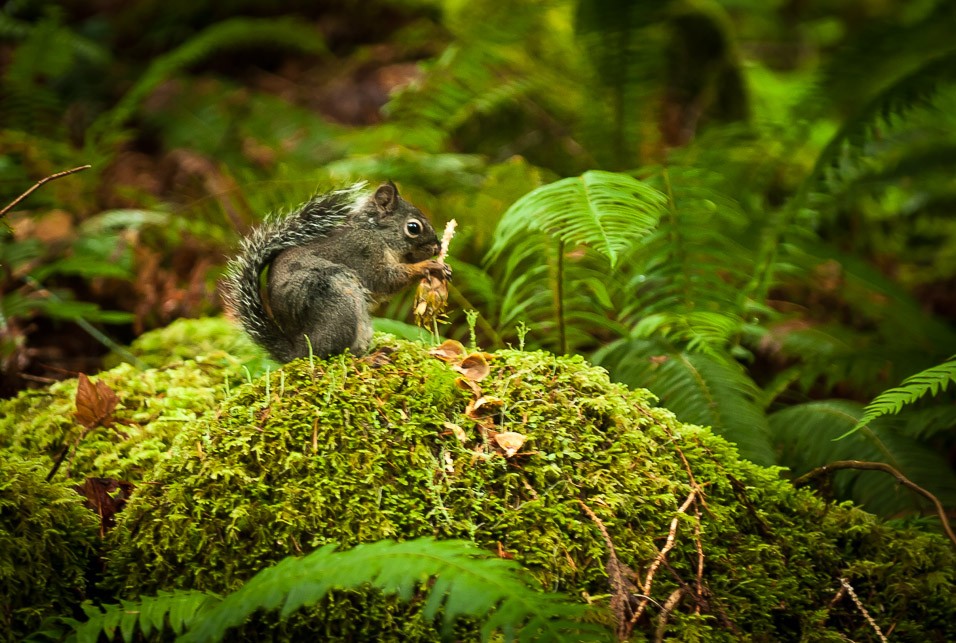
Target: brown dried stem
x=668 y=545
x=58 y=175
x=885 y=468
x=617 y=575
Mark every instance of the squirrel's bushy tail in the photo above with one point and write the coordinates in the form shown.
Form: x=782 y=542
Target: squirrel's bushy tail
x=242 y=294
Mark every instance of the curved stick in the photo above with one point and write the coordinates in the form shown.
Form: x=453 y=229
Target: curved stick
x=885 y=468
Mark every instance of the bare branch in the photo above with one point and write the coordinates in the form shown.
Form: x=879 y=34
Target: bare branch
x=58 y=175
x=669 y=606
x=885 y=468
x=649 y=579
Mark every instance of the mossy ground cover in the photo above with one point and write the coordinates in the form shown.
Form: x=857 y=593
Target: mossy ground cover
x=47 y=545
x=237 y=470
x=187 y=368
x=350 y=451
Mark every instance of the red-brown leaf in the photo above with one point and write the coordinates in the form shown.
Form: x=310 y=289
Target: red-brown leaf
x=95 y=403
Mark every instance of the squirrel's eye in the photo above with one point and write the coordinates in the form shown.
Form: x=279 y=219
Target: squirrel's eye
x=413 y=228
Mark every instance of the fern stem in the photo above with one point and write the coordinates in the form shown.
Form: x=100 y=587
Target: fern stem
x=559 y=300
x=676 y=247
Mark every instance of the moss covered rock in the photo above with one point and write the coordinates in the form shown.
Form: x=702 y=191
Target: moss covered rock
x=46 y=547
x=153 y=404
x=215 y=339
x=395 y=447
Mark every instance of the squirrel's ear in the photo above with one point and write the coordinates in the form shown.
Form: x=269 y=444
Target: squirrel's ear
x=386 y=198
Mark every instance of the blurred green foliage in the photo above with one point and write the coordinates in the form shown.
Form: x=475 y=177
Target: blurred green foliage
x=797 y=159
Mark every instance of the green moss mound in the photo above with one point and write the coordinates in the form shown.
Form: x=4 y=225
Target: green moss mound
x=353 y=451
x=216 y=339
x=46 y=547
x=154 y=405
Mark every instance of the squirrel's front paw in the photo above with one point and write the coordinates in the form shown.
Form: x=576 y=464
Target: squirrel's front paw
x=439 y=270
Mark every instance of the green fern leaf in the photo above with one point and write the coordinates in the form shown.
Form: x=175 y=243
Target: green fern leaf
x=805 y=436
x=464 y=82
x=605 y=211
x=932 y=380
x=913 y=89
x=704 y=389
x=150 y=613
x=467 y=582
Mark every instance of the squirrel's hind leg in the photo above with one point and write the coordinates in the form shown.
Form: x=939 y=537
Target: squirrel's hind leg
x=325 y=302
x=340 y=320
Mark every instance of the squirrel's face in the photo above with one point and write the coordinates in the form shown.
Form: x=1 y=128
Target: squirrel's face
x=420 y=239
x=406 y=229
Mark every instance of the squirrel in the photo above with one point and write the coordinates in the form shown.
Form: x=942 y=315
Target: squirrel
x=328 y=263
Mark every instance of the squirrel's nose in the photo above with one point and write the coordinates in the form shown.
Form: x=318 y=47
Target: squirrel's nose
x=435 y=248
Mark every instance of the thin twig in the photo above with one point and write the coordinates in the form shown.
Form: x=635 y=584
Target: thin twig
x=700 y=555
x=690 y=474
x=649 y=579
x=58 y=175
x=859 y=606
x=620 y=584
x=669 y=606
x=885 y=468
x=697 y=524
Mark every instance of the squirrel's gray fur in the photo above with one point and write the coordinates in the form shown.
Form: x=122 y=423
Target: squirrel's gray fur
x=329 y=261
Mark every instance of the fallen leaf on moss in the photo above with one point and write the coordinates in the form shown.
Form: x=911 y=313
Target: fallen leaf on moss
x=484 y=407
x=449 y=350
x=503 y=553
x=468 y=385
x=457 y=430
x=510 y=441
x=474 y=367
x=106 y=497
x=95 y=403
x=379 y=358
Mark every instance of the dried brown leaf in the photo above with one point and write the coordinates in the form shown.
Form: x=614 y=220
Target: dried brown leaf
x=106 y=497
x=474 y=367
x=449 y=350
x=95 y=403
x=457 y=431
x=484 y=407
x=510 y=441
x=468 y=385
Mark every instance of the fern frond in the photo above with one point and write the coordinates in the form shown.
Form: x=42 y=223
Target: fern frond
x=606 y=211
x=886 y=351
x=932 y=380
x=914 y=89
x=467 y=582
x=699 y=388
x=701 y=331
x=229 y=34
x=805 y=436
x=465 y=81
x=696 y=259
x=885 y=48
x=177 y=609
